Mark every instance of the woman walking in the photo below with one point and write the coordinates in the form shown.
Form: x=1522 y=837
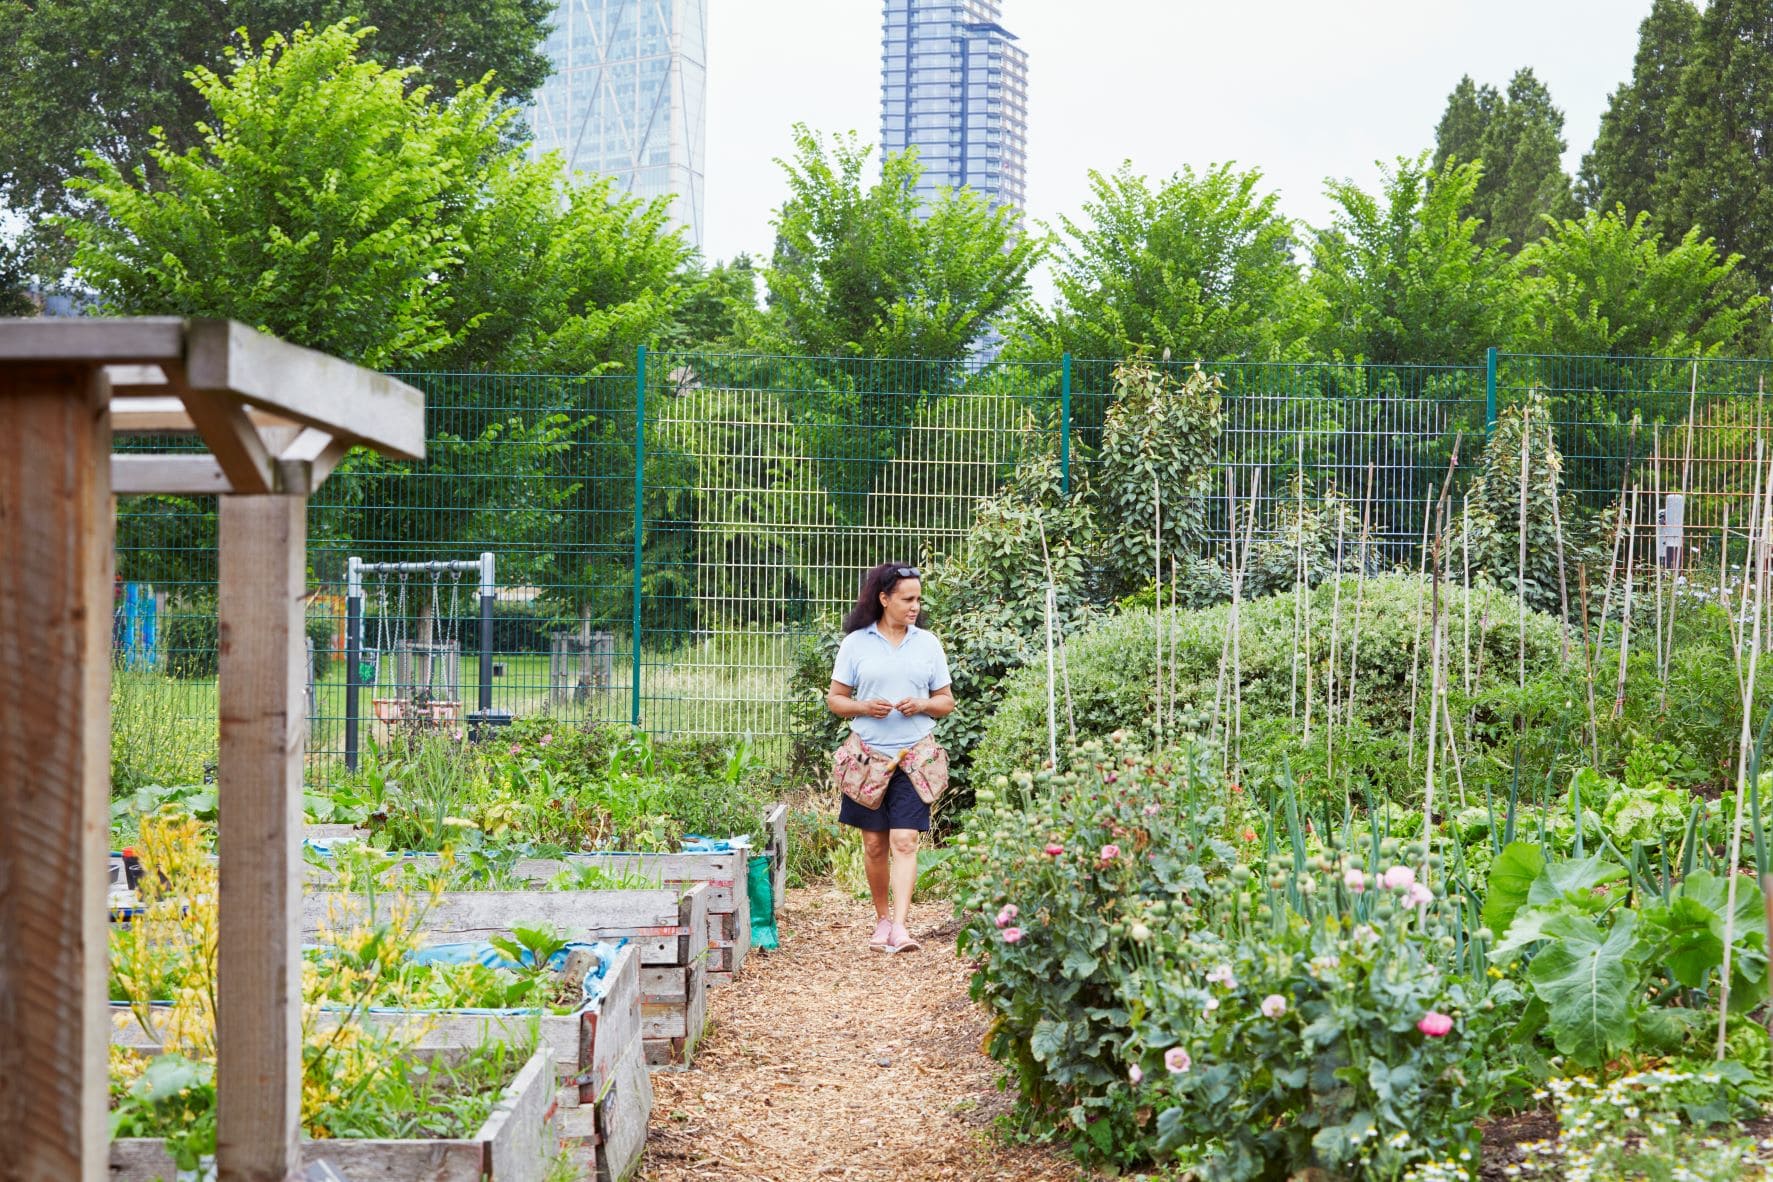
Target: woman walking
x=891 y=681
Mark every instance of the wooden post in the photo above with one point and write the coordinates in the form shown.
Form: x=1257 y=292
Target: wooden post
x=55 y=771
x=259 y=814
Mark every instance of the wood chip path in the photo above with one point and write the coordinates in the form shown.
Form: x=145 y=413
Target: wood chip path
x=825 y=1061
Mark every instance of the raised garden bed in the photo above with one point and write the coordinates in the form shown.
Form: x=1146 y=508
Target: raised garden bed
x=729 y=909
x=605 y=1097
x=667 y=927
x=513 y=1145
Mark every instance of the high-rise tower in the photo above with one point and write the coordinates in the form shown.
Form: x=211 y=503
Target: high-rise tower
x=628 y=97
x=954 y=84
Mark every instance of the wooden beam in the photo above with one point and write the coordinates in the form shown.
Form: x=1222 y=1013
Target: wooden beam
x=181 y=475
x=55 y=766
x=165 y=414
x=232 y=440
x=93 y=340
x=260 y=682
x=321 y=391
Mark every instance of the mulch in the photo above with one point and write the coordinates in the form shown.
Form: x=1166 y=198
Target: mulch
x=825 y=1061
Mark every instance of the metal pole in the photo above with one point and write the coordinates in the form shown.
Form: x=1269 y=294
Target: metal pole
x=1065 y=424
x=639 y=519
x=353 y=654
x=1489 y=391
x=489 y=594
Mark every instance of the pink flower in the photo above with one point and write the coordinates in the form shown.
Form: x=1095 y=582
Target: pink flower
x=1110 y=852
x=1418 y=895
x=1398 y=878
x=1176 y=1060
x=1152 y=810
x=1134 y=1075
x=1054 y=849
x=1274 y=1005
x=1435 y=1025
x=517 y=748
x=1222 y=976
x=458 y=735
x=1249 y=833
x=1007 y=916
x=545 y=740
x=1012 y=935
x=1354 y=880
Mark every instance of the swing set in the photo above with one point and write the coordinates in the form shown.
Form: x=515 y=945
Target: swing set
x=425 y=692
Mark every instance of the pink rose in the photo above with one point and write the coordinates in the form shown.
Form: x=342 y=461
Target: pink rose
x=1176 y=1060
x=1398 y=878
x=1007 y=916
x=1012 y=935
x=1134 y=1075
x=1354 y=880
x=1274 y=1005
x=1435 y=1025
x=1054 y=849
x=1110 y=852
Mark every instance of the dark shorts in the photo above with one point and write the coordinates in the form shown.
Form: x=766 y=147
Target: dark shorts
x=900 y=808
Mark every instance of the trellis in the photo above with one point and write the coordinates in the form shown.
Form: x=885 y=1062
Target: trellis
x=275 y=419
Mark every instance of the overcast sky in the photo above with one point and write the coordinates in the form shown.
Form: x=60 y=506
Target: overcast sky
x=1303 y=89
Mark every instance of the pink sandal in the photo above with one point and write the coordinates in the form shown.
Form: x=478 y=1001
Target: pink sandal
x=901 y=941
x=883 y=934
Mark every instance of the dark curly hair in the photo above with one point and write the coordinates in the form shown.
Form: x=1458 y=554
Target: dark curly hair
x=878 y=581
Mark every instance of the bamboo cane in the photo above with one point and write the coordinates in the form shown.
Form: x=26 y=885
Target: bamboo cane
x=1631 y=538
x=1360 y=589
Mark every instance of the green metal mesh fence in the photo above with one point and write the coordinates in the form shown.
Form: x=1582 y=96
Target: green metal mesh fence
x=659 y=559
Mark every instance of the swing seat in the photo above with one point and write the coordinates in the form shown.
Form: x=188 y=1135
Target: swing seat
x=445 y=713
x=389 y=709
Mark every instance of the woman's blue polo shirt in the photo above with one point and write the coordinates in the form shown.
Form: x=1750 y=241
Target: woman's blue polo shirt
x=875 y=668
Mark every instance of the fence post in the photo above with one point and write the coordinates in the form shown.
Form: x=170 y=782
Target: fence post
x=639 y=518
x=1065 y=424
x=1489 y=391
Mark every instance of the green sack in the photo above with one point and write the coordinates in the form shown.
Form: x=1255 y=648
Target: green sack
x=763 y=903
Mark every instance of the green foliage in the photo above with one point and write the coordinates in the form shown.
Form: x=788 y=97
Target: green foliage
x=1403 y=277
x=1201 y=264
x=1605 y=284
x=1153 y=998
x=874 y=271
x=1612 y=970
x=1718 y=178
x=158 y=735
x=1519 y=138
x=105 y=74
x=1301 y=545
x=1558 y=538
x=543 y=783
x=1632 y=149
x=1113 y=669
x=1158 y=457
x=334 y=203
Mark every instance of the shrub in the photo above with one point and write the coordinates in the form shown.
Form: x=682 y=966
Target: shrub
x=1113 y=665
x=1153 y=997
x=188 y=633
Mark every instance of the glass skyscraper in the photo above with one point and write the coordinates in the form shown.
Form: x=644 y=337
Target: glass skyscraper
x=954 y=84
x=628 y=97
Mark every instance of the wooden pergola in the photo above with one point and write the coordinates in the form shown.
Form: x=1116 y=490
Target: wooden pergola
x=275 y=418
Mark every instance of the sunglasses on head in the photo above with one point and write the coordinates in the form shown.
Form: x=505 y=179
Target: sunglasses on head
x=908 y=572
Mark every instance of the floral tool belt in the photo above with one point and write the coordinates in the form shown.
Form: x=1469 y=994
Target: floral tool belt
x=862 y=773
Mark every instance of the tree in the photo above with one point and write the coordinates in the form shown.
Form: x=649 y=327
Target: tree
x=719 y=310
x=1401 y=277
x=868 y=270
x=1720 y=164
x=1631 y=149
x=1519 y=139
x=1605 y=284
x=333 y=204
x=1202 y=264
x=103 y=74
